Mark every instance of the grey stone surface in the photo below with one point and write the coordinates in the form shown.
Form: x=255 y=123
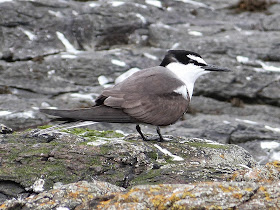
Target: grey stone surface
x=33 y=161
x=52 y=54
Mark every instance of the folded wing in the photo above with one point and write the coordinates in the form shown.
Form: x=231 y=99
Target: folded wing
x=149 y=97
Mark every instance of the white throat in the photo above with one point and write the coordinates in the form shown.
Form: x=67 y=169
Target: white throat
x=187 y=73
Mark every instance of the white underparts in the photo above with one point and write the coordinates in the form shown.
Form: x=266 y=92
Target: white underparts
x=187 y=74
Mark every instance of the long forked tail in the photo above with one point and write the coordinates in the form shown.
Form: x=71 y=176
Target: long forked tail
x=95 y=113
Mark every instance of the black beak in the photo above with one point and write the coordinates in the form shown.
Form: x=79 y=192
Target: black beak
x=214 y=68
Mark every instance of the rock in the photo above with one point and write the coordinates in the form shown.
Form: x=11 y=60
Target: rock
x=4 y=129
x=81 y=41
x=254 y=192
x=271 y=23
x=36 y=159
x=65 y=196
x=200 y=195
x=249 y=5
x=54 y=54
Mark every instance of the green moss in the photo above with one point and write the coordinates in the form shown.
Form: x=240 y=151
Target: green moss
x=146 y=177
x=13 y=154
x=93 y=134
x=153 y=155
x=169 y=159
x=95 y=161
x=44 y=126
x=27 y=130
x=105 y=150
x=202 y=144
x=54 y=171
x=36 y=151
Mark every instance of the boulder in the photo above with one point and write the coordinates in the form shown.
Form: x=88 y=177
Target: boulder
x=261 y=190
x=63 y=53
x=33 y=161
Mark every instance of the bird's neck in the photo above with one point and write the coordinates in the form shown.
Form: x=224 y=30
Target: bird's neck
x=187 y=74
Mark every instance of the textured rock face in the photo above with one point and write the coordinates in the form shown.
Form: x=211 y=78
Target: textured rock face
x=37 y=165
x=53 y=54
x=63 y=53
x=35 y=160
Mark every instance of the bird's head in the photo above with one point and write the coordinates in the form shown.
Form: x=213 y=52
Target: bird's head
x=188 y=66
x=188 y=63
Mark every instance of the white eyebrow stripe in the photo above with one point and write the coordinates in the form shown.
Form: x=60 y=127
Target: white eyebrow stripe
x=196 y=58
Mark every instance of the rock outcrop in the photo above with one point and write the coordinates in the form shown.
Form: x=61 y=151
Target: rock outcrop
x=63 y=53
x=56 y=54
x=43 y=169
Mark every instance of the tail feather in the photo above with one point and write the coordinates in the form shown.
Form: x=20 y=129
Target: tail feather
x=96 y=113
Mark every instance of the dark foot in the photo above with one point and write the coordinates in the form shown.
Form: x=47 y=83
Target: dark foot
x=152 y=138
x=140 y=132
x=159 y=134
x=160 y=139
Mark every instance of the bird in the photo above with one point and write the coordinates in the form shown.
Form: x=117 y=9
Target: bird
x=158 y=96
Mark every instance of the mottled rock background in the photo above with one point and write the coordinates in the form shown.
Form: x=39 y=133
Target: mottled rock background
x=57 y=53
x=63 y=53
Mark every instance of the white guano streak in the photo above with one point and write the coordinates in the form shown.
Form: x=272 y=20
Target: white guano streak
x=3 y=113
x=29 y=34
x=68 y=46
x=272 y=129
x=117 y=3
x=155 y=3
x=118 y=62
x=166 y=152
x=269 y=144
x=195 y=33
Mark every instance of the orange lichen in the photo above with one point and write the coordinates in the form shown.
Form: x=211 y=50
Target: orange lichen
x=48 y=203
x=275 y=163
x=235 y=175
x=3 y=205
x=237 y=195
x=73 y=194
x=262 y=188
x=178 y=207
x=189 y=194
x=174 y=197
x=226 y=189
x=249 y=189
x=125 y=197
x=90 y=196
x=267 y=196
x=103 y=204
x=214 y=207
x=155 y=189
x=158 y=202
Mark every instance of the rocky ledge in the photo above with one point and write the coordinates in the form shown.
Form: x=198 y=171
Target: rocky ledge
x=43 y=169
x=63 y=53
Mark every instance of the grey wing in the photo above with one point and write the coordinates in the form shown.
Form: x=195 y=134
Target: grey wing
x=149 y=96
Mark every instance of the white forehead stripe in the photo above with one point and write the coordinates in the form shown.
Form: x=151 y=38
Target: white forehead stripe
x=182 y=90
x=196 y=58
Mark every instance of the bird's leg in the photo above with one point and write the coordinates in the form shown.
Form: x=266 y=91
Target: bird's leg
x=160 y=136
x=140 y=132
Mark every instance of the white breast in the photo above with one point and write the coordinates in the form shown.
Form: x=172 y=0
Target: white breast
x=187 y=74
